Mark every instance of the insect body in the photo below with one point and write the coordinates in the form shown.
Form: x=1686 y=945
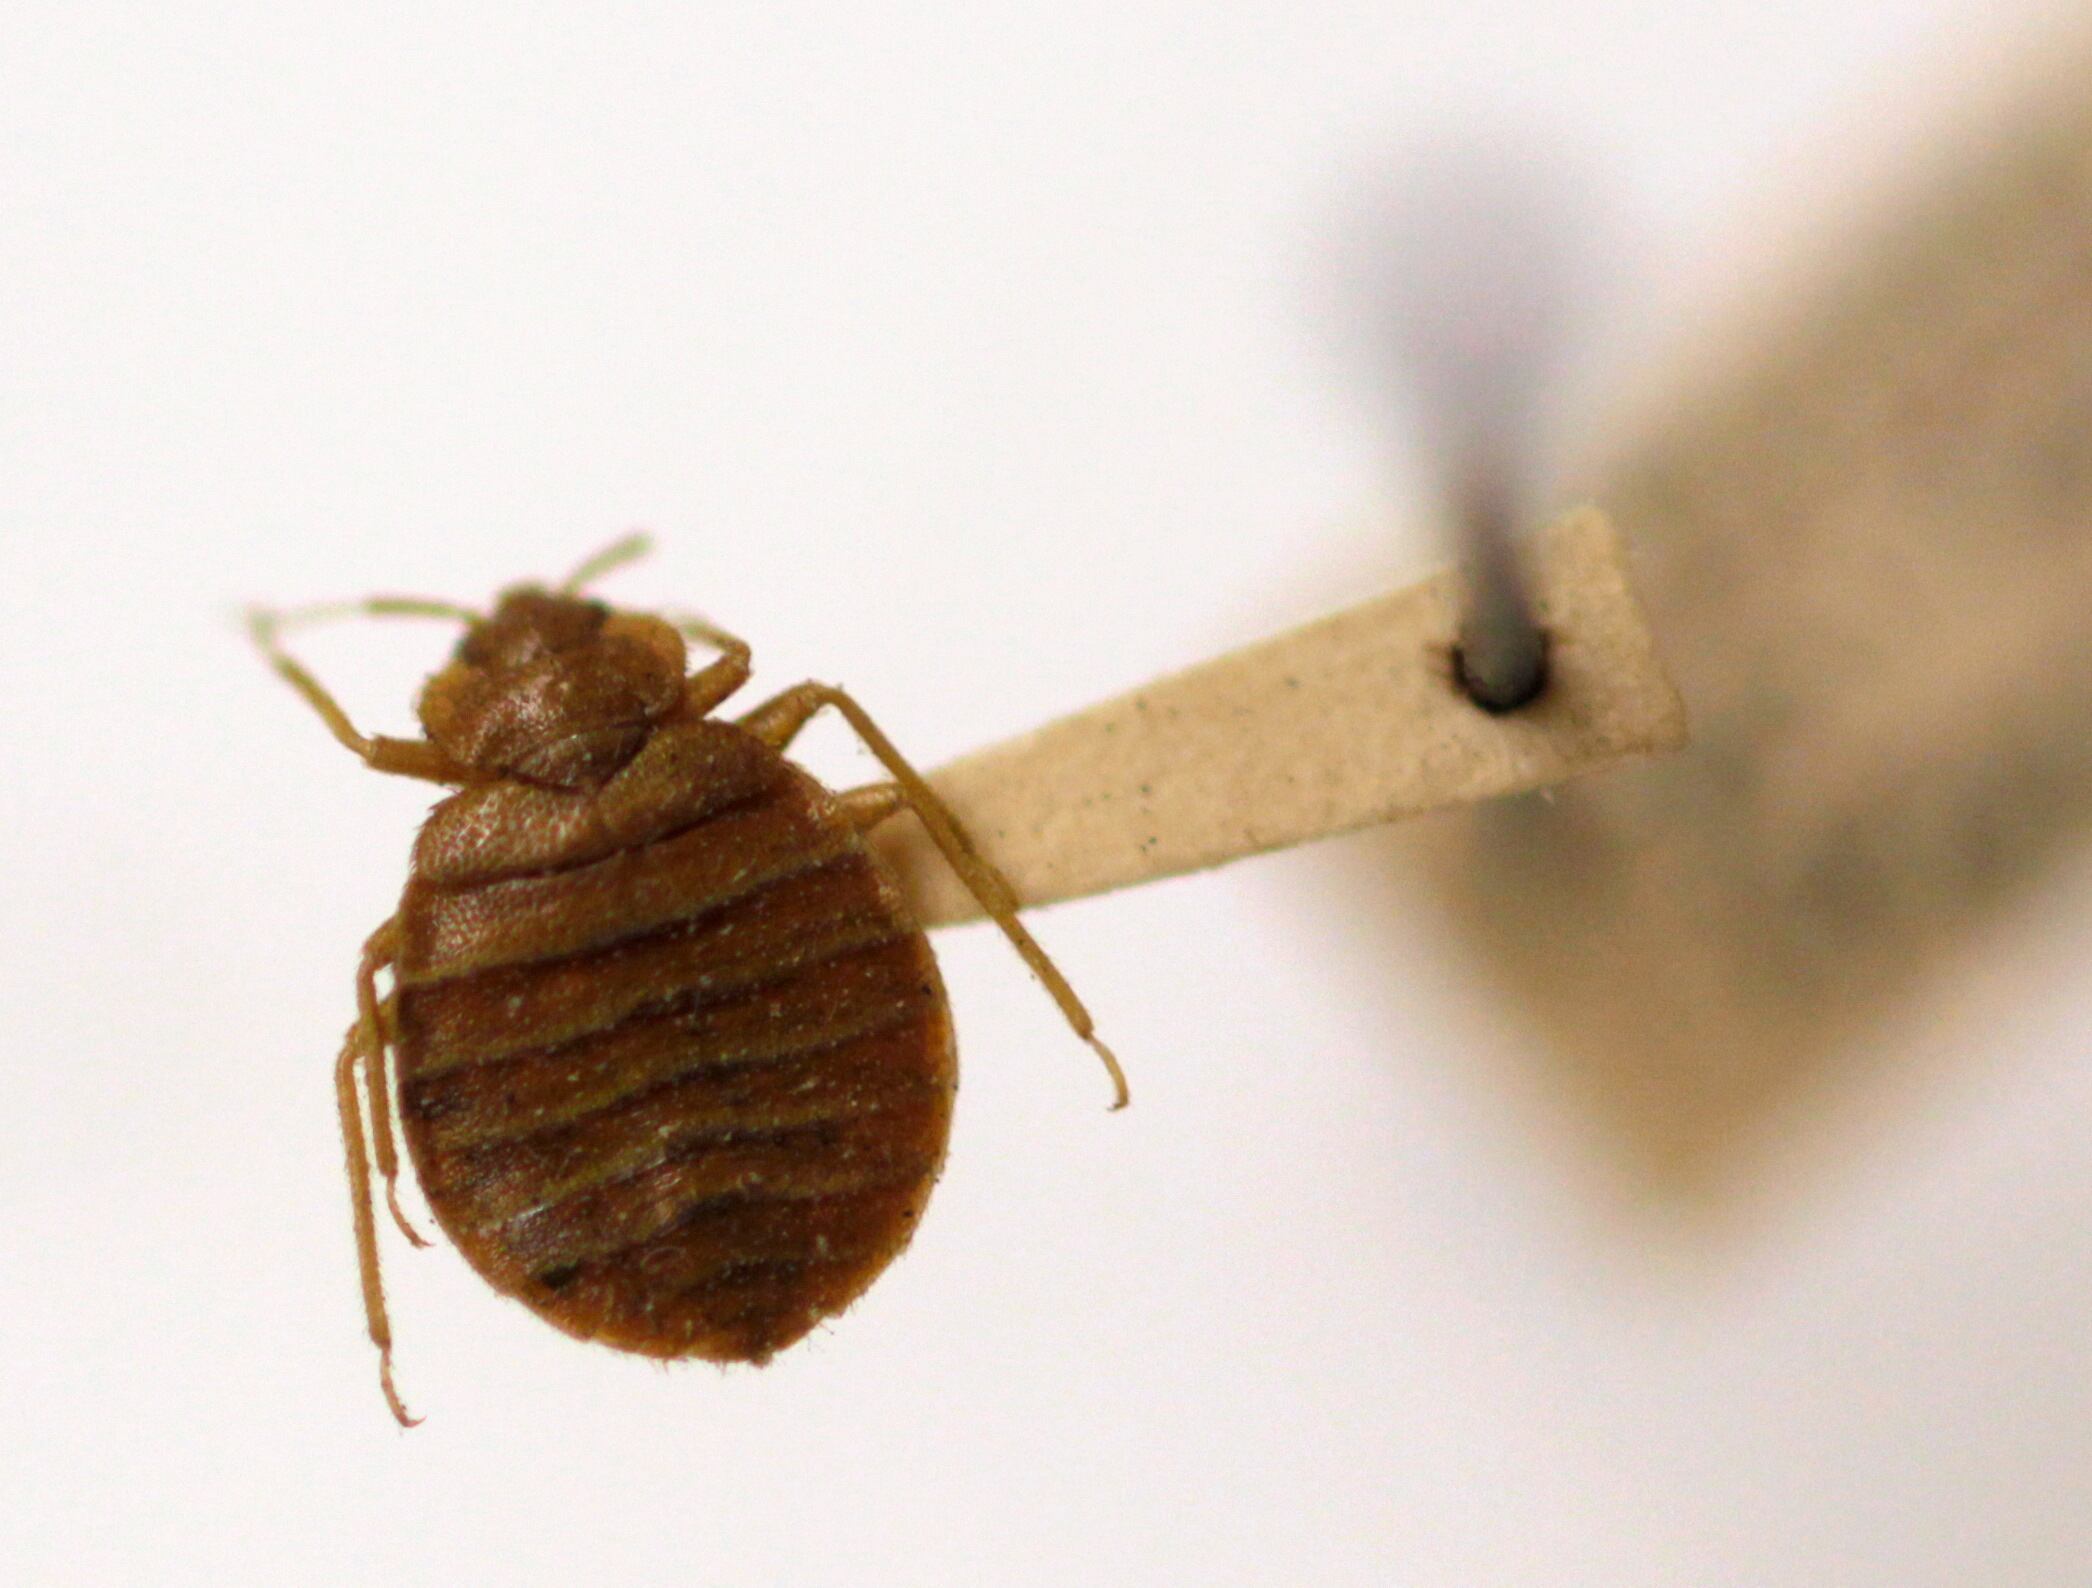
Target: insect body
x=674 y=1063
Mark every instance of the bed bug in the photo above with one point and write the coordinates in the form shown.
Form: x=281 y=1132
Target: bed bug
x=674 y=1064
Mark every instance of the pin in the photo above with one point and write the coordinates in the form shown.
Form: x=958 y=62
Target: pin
x=1500 y=657
x=1473 y=275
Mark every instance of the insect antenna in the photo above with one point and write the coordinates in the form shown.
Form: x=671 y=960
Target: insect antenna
x=411 y=758
x=264 y=622
x=615 y=555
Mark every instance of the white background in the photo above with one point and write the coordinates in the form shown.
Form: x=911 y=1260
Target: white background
x=973 y=356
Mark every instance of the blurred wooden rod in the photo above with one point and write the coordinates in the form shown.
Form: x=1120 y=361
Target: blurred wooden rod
x=1349 y=721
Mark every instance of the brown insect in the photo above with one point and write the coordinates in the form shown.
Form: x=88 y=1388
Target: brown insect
x=674 y=1062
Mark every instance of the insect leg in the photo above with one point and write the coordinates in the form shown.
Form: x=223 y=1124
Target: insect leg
x=404 y=757
x=379 y=951
x=712 y=684
x=777 y=721
x=374 y=1316
x=865 y=808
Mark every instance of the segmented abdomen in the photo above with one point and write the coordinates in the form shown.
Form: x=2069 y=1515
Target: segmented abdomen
x=675 y=1065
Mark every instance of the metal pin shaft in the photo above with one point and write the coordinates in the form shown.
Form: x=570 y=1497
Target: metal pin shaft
x=1502 y=651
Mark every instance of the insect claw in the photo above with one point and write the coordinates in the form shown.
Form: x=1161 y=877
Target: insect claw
x=392 y=1201
x=405 y=1418
x=1118 y=1076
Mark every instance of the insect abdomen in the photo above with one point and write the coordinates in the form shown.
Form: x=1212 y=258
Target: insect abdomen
x=675 y=1065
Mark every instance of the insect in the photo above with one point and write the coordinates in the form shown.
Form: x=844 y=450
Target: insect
x=674 y=1063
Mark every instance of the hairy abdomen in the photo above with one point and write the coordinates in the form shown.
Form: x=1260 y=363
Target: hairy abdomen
x=675 y=1064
